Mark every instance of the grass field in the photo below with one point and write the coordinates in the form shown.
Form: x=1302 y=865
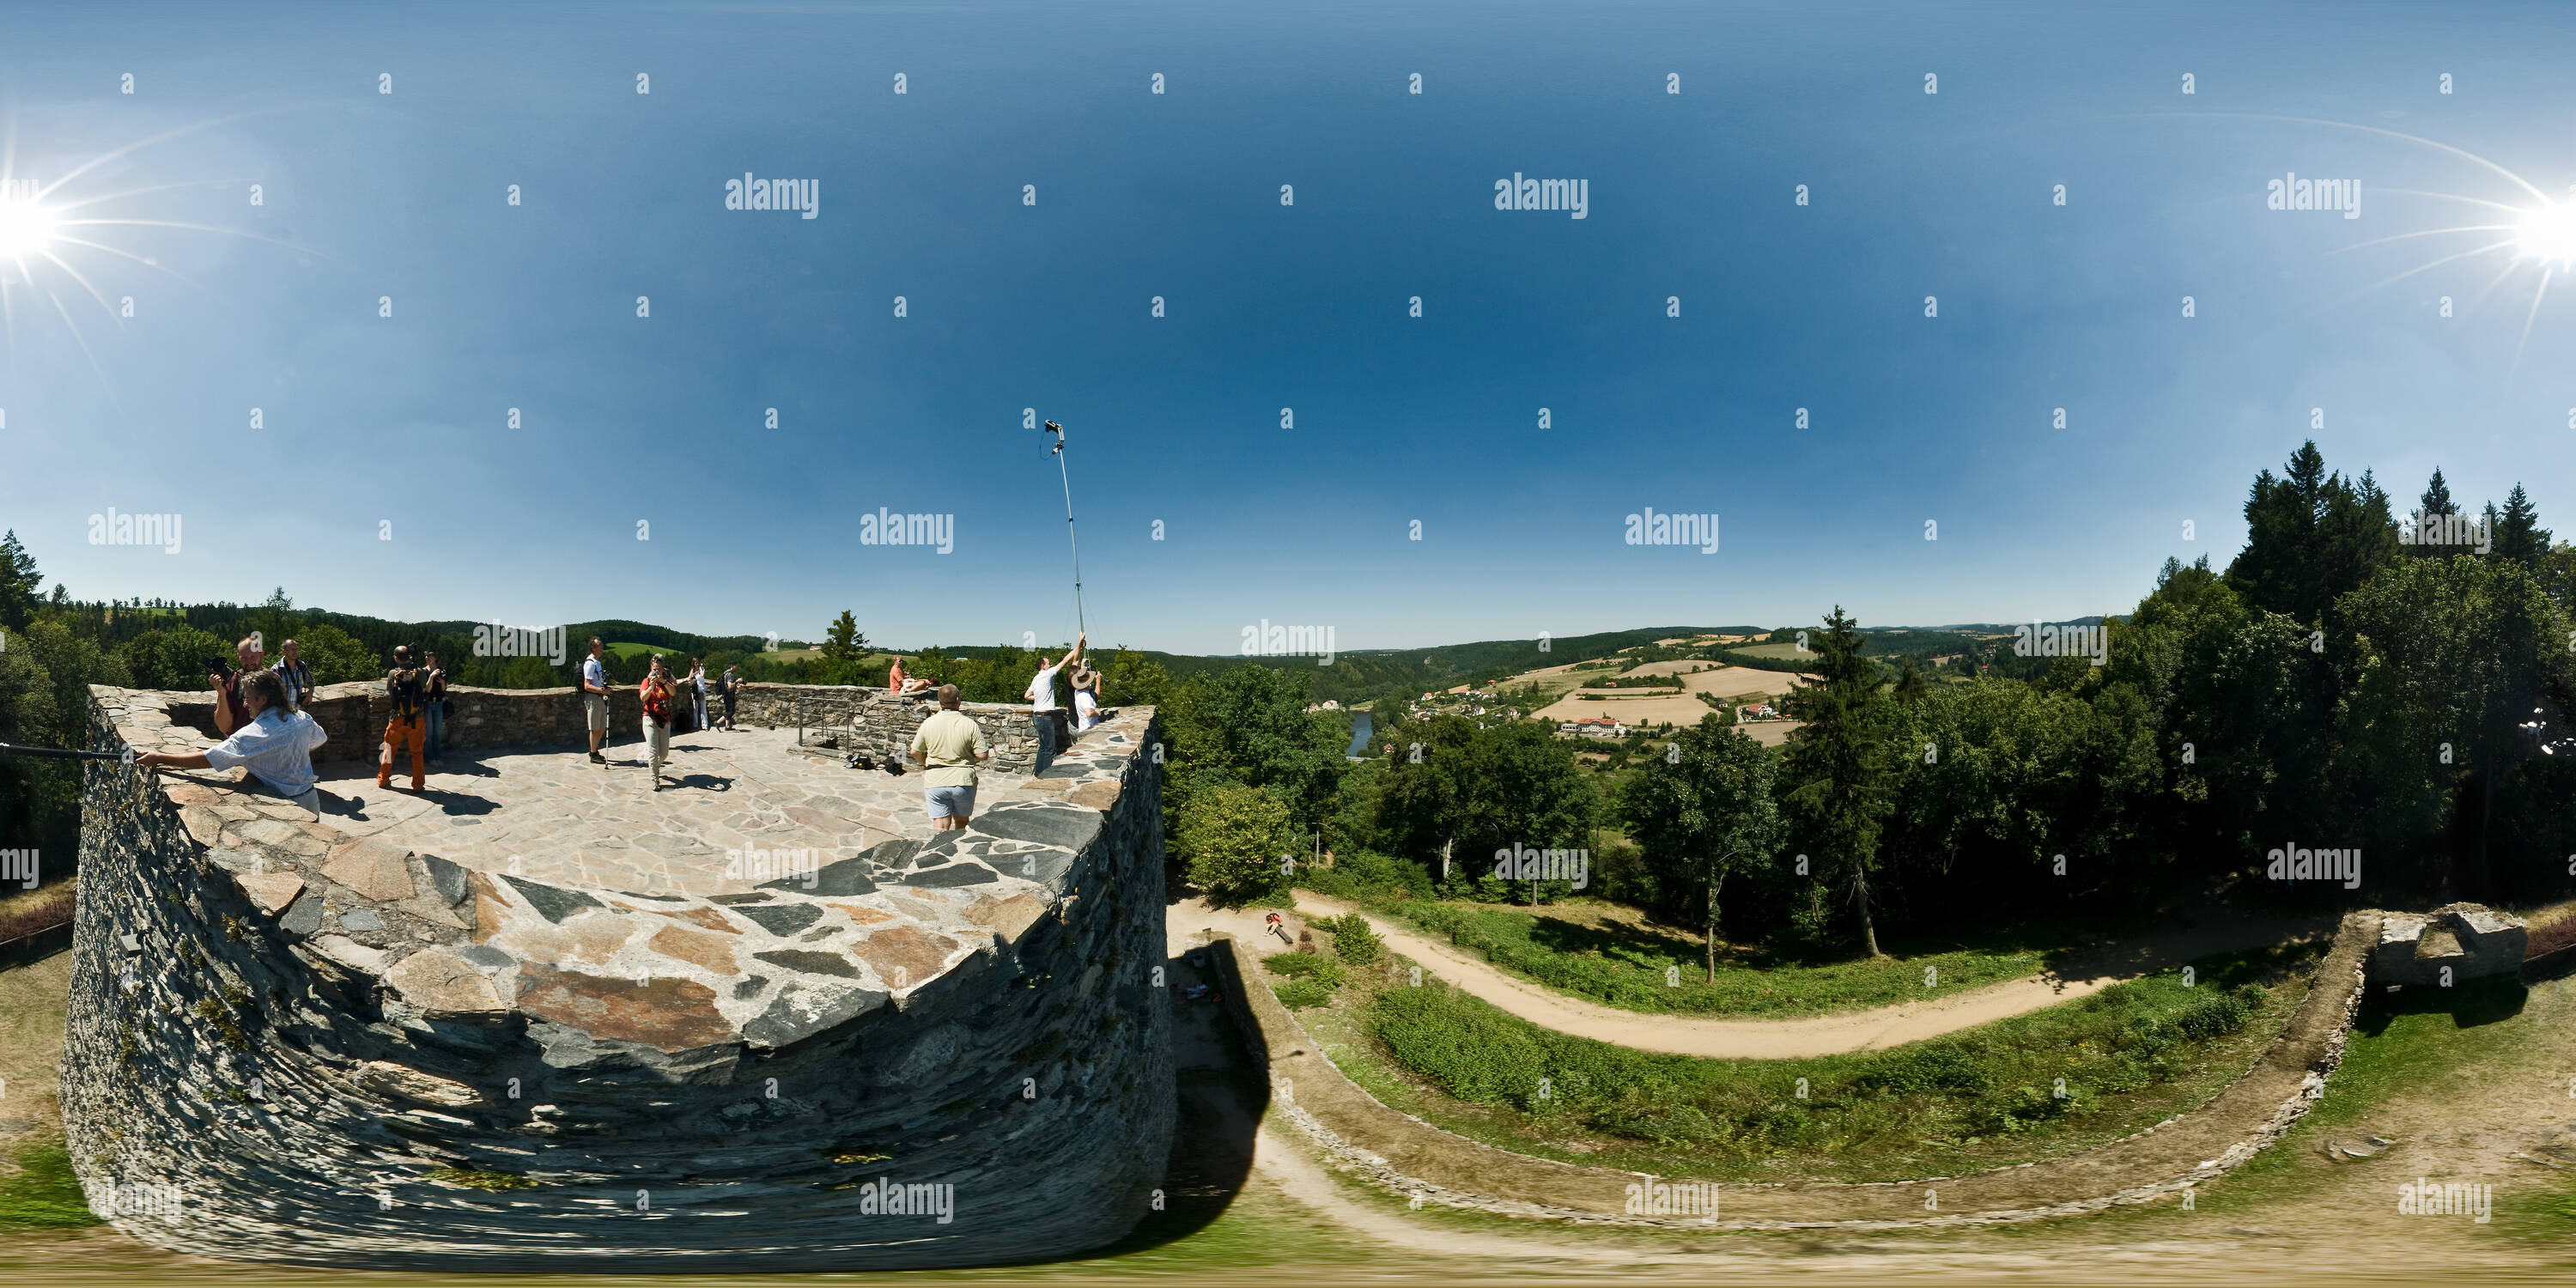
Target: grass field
x=2129 y=1056
x=1590 y=952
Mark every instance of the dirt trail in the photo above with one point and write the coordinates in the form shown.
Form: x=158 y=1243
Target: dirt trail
x=1821 y=1035
x=1403 y=1153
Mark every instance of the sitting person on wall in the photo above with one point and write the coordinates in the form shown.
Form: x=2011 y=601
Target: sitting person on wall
x=275 y=745
x=903 y=686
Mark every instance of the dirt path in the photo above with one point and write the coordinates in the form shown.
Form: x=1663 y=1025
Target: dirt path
x=1407 y=1155
x=1806 y=1038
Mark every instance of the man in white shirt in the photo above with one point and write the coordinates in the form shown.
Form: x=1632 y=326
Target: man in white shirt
x=276 y=745
x=594 y=697
x=1043 y=714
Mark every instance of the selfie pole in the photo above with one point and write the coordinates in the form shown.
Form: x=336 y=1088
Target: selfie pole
x=1058 y=452
x=59 y=753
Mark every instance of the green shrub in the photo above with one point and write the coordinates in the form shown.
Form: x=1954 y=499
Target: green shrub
x=1234 y=836
x=1304 y=965
x=1353 y=941
x=1298 y=994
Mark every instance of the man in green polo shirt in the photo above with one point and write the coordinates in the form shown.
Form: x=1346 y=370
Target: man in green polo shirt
x=949 y=742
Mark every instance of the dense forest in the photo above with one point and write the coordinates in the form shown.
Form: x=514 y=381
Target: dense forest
x=2335 y=686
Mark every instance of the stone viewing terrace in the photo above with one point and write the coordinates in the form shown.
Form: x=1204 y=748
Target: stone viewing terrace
x=730 y=992
x=550 y=815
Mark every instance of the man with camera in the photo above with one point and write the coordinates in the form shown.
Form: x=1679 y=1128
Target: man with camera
x=232 y=711
x=406 y=719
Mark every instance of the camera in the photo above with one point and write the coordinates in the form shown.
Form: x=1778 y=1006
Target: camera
x=215 y=666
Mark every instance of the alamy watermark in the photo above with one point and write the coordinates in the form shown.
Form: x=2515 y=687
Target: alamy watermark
x=2431 y=1198
x=885 y=1196
x=110 y=1198
x=803 y=196
x=772 y=865
x=1672 y=1198
x=2037 y=640
x=2434 y=528
x=1573 y=196
x=2294 y=863
x=1523 y=863
x=117 y=529
x=19 y=866
x=492 y=639
x=1270 y=639
x=2295 y=193
x=1651 y=528
x=886 y=528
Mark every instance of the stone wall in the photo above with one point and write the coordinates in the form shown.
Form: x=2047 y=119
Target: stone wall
x=335 y=1051
x=2451 y=944
x=856 y=719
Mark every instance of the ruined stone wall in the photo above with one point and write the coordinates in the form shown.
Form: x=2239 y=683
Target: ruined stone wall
x=332 y=1050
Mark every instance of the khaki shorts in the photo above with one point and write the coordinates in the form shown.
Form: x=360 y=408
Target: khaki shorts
x=595 y=705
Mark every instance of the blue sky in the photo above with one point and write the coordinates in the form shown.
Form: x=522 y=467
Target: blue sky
x=1396 y=419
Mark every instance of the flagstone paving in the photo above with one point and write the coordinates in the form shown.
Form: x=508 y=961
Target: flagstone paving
x=552 y=816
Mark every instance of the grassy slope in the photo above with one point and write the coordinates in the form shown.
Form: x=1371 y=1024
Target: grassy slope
x=1974 y=1100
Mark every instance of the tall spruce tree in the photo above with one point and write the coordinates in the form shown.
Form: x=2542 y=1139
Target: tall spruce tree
x=19 y=583
x=2311 y=537
x=2435 y=501
x=1837 y=763
x=2518 y=534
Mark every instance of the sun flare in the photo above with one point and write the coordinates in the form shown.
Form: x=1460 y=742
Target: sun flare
x=25 y=229
x=2548 y=233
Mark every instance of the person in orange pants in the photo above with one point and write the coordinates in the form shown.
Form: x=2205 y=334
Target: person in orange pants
x=406 y=724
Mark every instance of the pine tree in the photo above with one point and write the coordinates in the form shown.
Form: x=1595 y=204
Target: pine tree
x=2518 y=534
x=19 y=583
x=844 y=643
x=1838 y=764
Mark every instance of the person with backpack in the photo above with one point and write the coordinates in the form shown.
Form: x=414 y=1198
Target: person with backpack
x=725 y=686
x=656 y=691
x=407 y=699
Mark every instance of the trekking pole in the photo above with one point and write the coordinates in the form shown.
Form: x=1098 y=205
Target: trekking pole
x=61 y=753
x=1058 y=453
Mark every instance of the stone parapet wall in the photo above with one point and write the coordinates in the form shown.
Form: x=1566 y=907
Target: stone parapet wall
x=338 y=1051
x=855 y=718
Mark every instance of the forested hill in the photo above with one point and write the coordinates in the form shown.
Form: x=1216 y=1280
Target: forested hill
x=1365 y=675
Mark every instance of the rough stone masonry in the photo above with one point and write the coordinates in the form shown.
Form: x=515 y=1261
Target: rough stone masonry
x=950 y=1049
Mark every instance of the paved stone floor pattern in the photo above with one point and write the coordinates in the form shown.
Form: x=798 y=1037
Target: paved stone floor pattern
x=553 y=816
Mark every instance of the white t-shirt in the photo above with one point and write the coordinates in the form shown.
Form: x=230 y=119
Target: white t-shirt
x=1042 y=689
x=594 y=673
x=277 y=750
